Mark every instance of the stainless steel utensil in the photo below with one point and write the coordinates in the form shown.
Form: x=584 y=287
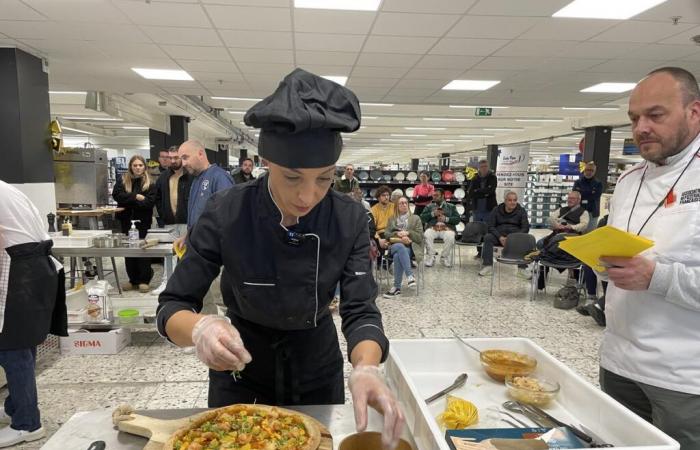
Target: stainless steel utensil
x=465 y=342
x=579 y=434
x=459 y=382
x=97 y=445
x=515 y=407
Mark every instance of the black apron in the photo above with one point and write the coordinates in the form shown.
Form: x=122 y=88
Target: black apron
x=36 y=297
x=303 y=367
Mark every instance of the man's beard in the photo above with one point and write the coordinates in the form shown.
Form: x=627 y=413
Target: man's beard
x=669 y=147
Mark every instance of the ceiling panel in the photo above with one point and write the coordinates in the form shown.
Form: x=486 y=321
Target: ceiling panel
x=683 y=38
x=56 y=48
x=448 y=62
x=379 y=72
x=568 y=64
x=535 y=48
x=421 y=6
x=16 y=10
x=164 y=14
x=97 y=11
x=203 y=77
x=604 y=50
x=492 y=27
x=467 y=47
x=420 y=85
x=373 y=82
x=233 y=86
x=249 y=18
x=327 y=21
x=630 y=66
x=369 y=94
x=509 y=63
x=564 y=28
x=333 y=58
x=118 y=49
x=661 y=52
x=258 y=55
x=688 y=10
x=399 y=44
x=328 y=42
x=387 y=59
x=38 y=30
x=197 y=52
x=182 y=35
x=425 y=75
x=257 y=39
x=272 y=69
x=636 y=31
x=401 y=24
x=540 y=8
x=272 y=3
x=207 y=66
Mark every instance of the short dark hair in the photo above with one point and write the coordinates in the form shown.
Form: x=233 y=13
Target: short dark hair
x=688 y=82
x=383 y=189
x=242 y=160
x=441 y=191
x=165 y=150
x=171 y=149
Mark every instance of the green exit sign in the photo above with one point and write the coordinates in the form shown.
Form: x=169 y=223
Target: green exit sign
x=483 y=112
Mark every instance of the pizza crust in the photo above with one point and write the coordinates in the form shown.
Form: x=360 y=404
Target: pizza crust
x=312 y=427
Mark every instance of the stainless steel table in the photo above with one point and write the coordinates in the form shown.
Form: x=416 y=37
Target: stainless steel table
x=164 y=251
x=85 y=427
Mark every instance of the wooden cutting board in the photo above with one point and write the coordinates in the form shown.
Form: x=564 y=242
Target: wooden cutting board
x=158 y=430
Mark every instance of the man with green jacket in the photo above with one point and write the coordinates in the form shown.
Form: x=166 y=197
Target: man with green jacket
x=347 y=182
x=440 y=219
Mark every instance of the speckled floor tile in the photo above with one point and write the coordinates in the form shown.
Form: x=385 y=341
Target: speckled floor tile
x=182 y=394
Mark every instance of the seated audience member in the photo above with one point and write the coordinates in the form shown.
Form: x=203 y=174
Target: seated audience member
x=358 y=195
x=440 y=219
x=572 y=218
x=348 y=181
x=405 y=234
x=505 y=219
x=382 y=212
x=244 y=173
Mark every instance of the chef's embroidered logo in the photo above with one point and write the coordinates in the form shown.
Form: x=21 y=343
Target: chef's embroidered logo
x=205 y=185
x=690 y=196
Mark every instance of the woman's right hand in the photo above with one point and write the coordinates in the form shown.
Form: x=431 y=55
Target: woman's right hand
x=218 y=344
x=140 y=197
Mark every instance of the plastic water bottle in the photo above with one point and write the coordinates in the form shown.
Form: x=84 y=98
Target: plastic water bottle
x=134 y=234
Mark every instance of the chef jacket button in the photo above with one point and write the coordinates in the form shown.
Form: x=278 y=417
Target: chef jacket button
x=308 y=322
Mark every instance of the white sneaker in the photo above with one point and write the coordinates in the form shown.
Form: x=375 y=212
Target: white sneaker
x=391 y=293
x=429 y=261
x=486 y=271
x=411 y=281
x=525 y=274
x=446 y=262
x=9 y=436
x=4 y=417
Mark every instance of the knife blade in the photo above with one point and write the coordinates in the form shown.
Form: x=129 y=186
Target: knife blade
x=97 y=445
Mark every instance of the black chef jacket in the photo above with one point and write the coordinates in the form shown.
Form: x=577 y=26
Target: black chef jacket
x=276 y=282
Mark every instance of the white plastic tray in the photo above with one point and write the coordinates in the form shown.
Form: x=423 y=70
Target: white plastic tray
x=418 y=368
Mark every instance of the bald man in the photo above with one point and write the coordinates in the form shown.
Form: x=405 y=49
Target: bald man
x=209 y=178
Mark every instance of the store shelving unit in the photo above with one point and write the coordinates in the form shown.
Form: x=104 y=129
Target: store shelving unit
x=545 y=193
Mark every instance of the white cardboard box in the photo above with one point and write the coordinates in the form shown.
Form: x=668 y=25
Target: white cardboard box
x=83 y=342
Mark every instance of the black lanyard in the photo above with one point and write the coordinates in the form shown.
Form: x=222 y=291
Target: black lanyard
x=641 y=182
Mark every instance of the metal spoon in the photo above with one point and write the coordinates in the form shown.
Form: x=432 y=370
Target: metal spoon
x=515 y=407
x=459 y=382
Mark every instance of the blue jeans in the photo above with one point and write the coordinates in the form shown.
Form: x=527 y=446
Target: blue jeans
x=22 y=403
x=481 y=216
x=402 y=263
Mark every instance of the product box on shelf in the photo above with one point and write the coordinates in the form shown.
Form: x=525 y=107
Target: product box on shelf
x=84 y=342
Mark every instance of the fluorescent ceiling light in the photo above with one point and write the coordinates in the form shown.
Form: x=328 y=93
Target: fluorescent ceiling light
x=424 y=128
x=410 y=135
x=163 y=74
x=135 y=128
x=470 y=85
x=502 y=129
x=561 y=148
x=477 y=135
x=348 y=5
x=438 y=145
x=455 y=140
x=610 y=87
x=236 y=112
x=539 y=120
x=95 y=119
x=589 y=108
x=396 y=140
x=369 y=117
x=606 y=9
x=67 y=92
x=243 y=99
x=376 y=104
x=79 y=131
x=473 y=106
x=445 y=118
x=336 y=79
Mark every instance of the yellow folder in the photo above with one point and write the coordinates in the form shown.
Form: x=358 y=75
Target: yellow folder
x=605 y=241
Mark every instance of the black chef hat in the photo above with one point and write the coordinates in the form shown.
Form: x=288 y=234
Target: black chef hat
x=301 y=121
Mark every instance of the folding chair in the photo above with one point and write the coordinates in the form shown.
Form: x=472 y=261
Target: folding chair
x=517 y=246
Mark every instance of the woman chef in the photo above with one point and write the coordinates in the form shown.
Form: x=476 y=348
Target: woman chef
x=285 y=241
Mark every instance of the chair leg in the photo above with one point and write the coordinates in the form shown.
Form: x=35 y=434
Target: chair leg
x=493 y=276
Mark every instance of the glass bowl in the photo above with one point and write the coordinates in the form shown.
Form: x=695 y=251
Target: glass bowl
x=532 y=390
x=498 y=364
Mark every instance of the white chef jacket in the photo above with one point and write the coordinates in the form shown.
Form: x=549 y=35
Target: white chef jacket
x=20 y=223
x=653 y=336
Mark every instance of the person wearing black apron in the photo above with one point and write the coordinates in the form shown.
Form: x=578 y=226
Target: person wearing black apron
x=32 y=304
x=285 y=241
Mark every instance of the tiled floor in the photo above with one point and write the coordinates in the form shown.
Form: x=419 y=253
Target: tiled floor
x=152 y=374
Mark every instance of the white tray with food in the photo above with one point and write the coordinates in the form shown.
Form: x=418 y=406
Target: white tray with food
x=419 y=368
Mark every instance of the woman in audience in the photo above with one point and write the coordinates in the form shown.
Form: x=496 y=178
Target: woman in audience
x=423 y=193
x=405 y=235
x=135 y=191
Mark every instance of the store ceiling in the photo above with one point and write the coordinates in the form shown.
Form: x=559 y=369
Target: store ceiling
x=403 y=55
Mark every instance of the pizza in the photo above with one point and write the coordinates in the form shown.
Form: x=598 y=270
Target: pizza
x=247 y=427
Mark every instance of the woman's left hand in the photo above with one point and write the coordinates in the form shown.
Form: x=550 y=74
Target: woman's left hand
x=368 y=388
x=140 y=197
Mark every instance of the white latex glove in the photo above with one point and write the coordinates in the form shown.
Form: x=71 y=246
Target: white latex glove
x=367 y=387
x=218 y=344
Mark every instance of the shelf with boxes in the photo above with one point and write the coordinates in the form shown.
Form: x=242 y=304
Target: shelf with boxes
x=544 y=194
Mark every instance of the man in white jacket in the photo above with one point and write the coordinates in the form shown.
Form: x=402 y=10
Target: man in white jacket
x=650 y=354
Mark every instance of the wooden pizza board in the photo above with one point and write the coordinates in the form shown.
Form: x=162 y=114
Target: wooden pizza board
x=158 y=430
